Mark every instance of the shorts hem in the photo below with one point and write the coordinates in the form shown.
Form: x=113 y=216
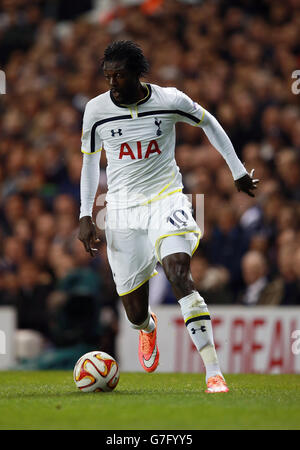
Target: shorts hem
x=139 y=285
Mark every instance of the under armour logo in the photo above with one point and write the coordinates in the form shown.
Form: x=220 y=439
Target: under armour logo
x=202 y=328
x=157 y=123
x=114 y=132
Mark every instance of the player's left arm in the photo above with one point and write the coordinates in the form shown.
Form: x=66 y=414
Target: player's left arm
x=243 y=180
x=194 y=114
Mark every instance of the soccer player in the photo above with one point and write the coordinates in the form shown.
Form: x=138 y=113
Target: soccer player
x=148 y=218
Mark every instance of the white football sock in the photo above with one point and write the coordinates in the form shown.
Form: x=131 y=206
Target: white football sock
x=197 y=321
x=147 y=326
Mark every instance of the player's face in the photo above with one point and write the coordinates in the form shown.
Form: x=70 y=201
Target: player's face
x=122 y=83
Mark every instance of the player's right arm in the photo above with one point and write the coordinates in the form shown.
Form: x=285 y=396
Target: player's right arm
x=89 y=182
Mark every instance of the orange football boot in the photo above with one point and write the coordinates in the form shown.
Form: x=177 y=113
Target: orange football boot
x=216 y=384
x=148 y=350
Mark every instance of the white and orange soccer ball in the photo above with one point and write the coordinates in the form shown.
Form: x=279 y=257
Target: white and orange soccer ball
x=96 y=372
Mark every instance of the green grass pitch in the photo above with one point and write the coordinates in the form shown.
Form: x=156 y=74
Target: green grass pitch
x=49 y=400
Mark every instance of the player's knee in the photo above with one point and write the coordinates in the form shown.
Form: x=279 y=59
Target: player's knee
x=177 y=270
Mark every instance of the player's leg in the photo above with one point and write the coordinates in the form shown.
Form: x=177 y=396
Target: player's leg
x=133 y=262
x=193 y=307
x=136 y=305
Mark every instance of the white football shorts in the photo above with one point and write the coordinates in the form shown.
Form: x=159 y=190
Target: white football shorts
x=134 y=236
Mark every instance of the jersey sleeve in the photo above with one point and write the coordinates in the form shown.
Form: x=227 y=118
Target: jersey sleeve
x=192 y=113
x=90 y=140
x=187 y=110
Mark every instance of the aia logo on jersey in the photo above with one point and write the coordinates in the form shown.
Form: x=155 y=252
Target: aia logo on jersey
x=136 y=152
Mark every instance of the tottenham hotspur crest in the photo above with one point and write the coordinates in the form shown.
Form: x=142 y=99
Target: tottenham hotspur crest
x=157 y=123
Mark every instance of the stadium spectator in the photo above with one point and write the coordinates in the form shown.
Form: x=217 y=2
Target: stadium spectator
x=288 y=168
x=259 y=290
x=31 y=299
x=211 y=282
x=228 y=243
x=287 y=275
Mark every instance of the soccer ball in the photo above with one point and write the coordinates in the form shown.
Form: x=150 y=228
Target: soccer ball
x=96 y=372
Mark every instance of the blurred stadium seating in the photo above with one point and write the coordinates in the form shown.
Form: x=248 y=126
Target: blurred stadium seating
x=236 y=59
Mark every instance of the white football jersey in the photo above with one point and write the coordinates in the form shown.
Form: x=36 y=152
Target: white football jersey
x=139 y=141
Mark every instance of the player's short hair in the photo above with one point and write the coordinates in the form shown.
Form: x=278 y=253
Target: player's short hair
x=129 y=52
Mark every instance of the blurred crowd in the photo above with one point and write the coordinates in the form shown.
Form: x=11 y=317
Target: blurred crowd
x=234 y=58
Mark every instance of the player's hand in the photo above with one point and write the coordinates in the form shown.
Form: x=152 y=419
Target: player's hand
x=247 y=184
x=88 y=235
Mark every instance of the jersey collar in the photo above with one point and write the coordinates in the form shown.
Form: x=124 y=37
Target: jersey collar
x=140 y=102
